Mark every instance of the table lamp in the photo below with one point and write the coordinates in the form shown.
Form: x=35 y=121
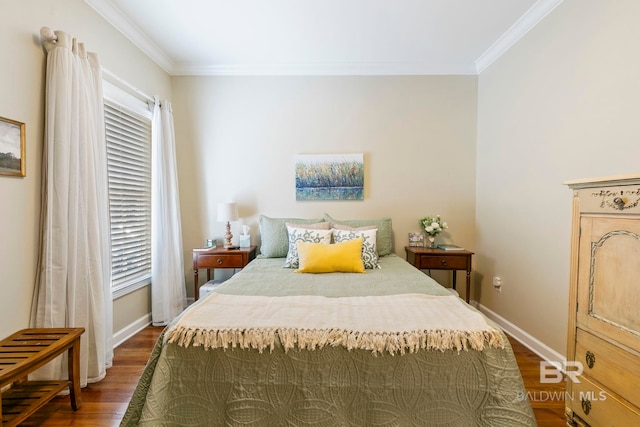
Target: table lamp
x=227 y=212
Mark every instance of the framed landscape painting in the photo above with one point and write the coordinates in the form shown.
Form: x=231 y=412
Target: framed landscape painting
x=12 y=148
x=330 y=177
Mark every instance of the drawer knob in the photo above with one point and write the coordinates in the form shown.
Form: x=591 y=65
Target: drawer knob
x=619 y=203
x=591 y=359
x=219 y=261
x=444 y=262
x=586 y=405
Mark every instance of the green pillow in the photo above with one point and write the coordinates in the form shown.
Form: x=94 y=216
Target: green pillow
x=273 y=235
x=384 y=237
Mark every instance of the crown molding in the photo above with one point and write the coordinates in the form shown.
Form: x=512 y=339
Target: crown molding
x=530 y=19
x=122 y=23
x=117 y=19
x=323 y=69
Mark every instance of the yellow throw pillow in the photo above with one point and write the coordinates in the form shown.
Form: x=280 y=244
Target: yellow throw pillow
x=345 y=257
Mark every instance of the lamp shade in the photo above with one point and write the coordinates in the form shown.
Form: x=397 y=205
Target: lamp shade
x=227 y=212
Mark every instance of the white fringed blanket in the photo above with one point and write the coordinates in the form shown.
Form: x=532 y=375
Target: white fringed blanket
x=393 y=323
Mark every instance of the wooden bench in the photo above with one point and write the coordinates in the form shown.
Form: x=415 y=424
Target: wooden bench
x=24 y=352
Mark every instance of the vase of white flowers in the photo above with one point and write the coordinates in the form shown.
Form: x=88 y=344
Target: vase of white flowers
x=432 y=225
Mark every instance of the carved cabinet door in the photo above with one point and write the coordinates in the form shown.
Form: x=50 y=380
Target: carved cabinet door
x=609 y=277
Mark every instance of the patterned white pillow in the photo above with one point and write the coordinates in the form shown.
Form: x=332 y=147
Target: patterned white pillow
x=301 y=234
x=369 y=250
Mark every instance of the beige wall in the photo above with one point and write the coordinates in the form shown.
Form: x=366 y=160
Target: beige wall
x=22 y=89
x=561 y=104
x=238 y=138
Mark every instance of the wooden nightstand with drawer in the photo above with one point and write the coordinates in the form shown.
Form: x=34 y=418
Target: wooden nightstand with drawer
x=438 y=259
x=219 y=258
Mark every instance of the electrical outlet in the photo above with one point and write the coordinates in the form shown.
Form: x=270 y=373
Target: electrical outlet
x=497 y=283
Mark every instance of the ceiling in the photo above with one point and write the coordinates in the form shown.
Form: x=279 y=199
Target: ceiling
x=323 y=37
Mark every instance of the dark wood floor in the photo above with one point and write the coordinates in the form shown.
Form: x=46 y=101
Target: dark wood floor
x=104 y=403
x=547 y=400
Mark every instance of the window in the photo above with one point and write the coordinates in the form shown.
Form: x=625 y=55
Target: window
x=128 y=134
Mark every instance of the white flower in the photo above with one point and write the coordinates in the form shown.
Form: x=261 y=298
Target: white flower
x=433 y=225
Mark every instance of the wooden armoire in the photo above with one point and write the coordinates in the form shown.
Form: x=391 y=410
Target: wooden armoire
x=604 y=303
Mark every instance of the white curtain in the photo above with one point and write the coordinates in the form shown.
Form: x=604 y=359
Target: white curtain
x=74 y=271
x=168 y=293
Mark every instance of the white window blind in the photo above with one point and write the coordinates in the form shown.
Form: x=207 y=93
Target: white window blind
x=128 y=135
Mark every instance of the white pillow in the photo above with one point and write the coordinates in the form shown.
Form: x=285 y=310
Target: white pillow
x=369 y=249
x=301 y=234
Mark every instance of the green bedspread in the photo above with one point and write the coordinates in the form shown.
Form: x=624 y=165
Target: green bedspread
x=331 y=386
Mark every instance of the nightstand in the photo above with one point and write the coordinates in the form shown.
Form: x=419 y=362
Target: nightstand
x=438 y=259
x=219 y=257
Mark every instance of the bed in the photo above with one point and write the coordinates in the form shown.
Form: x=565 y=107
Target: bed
x=278 y=378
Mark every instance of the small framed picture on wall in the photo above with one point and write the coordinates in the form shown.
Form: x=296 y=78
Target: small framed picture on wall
x=12 y=148
x=416 y=240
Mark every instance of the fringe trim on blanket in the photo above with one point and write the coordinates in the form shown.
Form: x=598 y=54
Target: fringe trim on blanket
x=376 y=342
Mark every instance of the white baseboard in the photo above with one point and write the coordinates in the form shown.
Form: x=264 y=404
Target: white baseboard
x=529 y=341
x=131 y=329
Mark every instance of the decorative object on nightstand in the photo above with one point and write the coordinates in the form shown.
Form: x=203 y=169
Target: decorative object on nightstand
x=432 y=225
x=244 y=240
x=228 y=212
x=416 y=240
x=450 y=247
